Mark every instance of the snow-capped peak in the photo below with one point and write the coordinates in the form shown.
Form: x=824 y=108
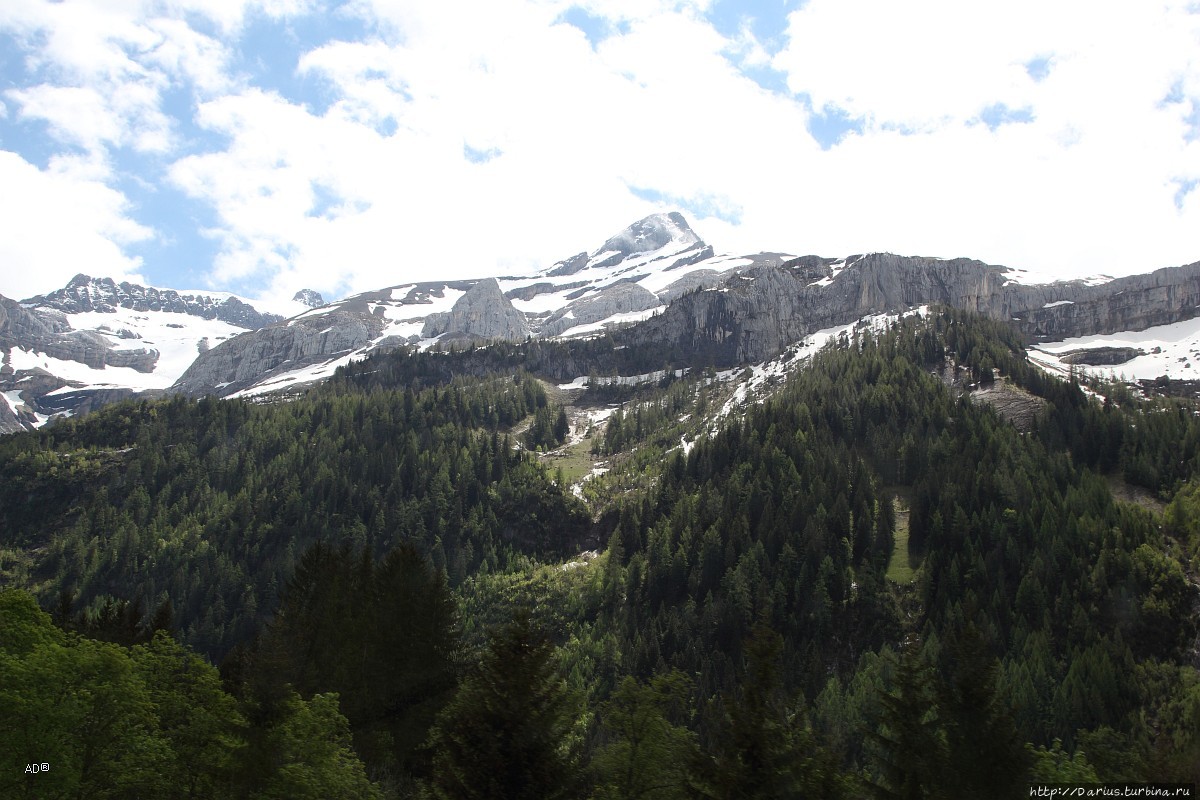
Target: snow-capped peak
x=654 y=238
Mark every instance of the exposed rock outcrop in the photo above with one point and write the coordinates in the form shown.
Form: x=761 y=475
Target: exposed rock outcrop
x=1125 y=304
x=646 y=235
x=620 y=298
x=758 y=312
x=251 y=357
x=482 y=313
x=1101 y=356
x=655 y=232
x=309 y=298
x=49 y=332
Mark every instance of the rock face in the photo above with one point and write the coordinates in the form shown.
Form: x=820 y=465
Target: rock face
x=254 y=357
x=758 y=312
x=1101 y=356
x=84 y=293
x=1133 y=303
x=655 y=232
x=50 y=333
x=722 y=310
x=483 y=313
x=309 y=298
x=96 y=341
x=620 y=298
x=644 y=236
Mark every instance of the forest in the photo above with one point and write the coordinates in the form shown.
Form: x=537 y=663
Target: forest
x=869 y=584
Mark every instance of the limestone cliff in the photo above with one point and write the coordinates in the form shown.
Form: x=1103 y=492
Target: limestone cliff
x=49 y=332
x=483 y=313
x=620 y=298
x=254 y=356
x=758 y=312
x=85 y=293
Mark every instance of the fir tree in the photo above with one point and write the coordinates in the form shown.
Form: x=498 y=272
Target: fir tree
x=507 y=734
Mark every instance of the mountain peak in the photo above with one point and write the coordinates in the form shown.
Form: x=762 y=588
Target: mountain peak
x=308 y=297
x=85 y=293
x=651 y=233
x=668 y=232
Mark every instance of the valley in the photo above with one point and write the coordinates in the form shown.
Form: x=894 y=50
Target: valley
x=775 y=517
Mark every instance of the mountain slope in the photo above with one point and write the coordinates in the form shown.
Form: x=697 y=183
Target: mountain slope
x=95 y=341
x=656 y=283
x=655 y=286
x=1046 y=609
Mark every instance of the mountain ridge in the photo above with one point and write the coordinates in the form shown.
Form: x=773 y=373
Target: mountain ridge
x=656 y=282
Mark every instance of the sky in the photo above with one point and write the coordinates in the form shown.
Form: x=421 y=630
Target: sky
x=264 y=146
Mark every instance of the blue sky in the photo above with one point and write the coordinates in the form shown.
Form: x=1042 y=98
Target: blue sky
x=263 y=146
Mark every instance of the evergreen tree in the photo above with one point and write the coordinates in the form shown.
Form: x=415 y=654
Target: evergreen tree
x=382 y=635
x=986 y=755
x=508 y=732
x=765 y=750
x=910 y=747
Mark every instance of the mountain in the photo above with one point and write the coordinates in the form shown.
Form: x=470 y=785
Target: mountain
x=657 y=282
x=777 y=571
x=309 y=298
x=630 y=277
x=95 y=341
x=656 y=285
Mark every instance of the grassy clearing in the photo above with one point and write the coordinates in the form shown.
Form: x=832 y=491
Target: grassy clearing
x=902 y=568
x=575 y=461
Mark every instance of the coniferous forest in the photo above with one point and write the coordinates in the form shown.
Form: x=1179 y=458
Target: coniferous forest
x=873 y=583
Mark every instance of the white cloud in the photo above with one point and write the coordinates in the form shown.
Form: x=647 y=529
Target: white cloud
x=59 y=222
x=1086 y=185
x=366 y=183
x=571 y=129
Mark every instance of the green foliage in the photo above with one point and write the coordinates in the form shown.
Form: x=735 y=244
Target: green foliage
x=765 y=748
x=150 y=721
x=980 y=731
x=910 y=744
x=208 y=504
x=1057 y=622
x=313 y=756
x=1055 y=765
x=548 y=430
x=76 y=704
x=381 y=635
x=648 y=747
x=199 y=721
x=508 y=731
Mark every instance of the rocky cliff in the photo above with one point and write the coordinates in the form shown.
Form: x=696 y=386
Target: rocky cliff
x=483 y=313
x=620 y=298
x=49 y=332
x=96 y=341
x=285 y=347
x=721 y=310
x=758 y=312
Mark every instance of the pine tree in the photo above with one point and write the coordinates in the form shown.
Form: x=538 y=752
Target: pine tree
x=766 y=749
x=987 y=757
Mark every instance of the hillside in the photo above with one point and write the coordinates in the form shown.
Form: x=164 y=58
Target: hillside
x=718 y=565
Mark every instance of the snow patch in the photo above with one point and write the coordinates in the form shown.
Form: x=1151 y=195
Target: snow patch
x=1172 y=350
x=615 y=319
x=297 y=377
